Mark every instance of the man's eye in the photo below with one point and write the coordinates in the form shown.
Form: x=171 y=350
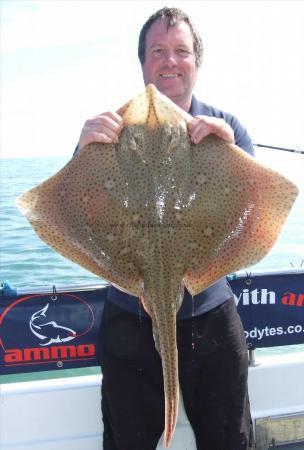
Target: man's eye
x=182 y=51
x=158 y=51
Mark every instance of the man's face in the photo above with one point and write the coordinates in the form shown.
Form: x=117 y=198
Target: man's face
x=170 y=61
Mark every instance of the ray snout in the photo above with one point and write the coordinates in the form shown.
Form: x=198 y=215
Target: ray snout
x=152 y=109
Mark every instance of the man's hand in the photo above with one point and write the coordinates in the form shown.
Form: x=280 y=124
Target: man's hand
x=201 y=126
x=105 y=128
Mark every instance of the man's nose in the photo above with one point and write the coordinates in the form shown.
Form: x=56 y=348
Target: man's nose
x=170 y=58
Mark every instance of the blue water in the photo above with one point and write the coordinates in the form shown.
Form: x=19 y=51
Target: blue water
x=25 y=261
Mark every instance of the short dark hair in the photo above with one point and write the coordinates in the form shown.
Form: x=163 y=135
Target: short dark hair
x=173 y=16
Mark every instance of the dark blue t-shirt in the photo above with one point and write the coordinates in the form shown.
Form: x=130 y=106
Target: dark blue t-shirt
x=219 y=292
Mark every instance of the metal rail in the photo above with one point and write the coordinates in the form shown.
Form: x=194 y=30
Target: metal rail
x=6 y=289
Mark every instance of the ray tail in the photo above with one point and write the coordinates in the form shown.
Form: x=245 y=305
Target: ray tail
x=162 y=304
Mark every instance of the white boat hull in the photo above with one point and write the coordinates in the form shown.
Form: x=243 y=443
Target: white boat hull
x=64 y=414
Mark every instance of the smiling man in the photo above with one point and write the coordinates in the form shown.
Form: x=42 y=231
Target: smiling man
x=213 y=362
x=169 y=62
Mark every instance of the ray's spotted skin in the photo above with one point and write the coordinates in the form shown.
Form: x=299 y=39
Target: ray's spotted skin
x=155 y=212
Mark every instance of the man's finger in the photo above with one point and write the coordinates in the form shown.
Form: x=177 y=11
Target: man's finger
x=113 y=116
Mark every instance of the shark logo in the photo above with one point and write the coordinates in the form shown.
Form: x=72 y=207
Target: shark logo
x=49 y=331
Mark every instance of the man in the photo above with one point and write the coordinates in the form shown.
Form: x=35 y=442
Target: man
x=213 y=361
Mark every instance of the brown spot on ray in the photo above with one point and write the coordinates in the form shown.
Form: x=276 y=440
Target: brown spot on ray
x=154 y=212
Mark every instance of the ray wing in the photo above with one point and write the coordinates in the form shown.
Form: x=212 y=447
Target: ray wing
x=238 y=212
x=82 y=215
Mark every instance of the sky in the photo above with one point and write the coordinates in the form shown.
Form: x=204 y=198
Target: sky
x=64 y=61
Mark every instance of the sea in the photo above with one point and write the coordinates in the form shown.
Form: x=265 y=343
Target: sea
x=26 y=262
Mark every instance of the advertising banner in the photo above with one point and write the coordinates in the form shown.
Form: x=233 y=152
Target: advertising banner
x=60 y=330
x=271 y=307
x=50 y=331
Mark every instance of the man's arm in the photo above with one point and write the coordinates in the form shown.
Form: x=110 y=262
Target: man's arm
x=202 y=126
x=105 y=128
x=242 y=138
x=222 y=124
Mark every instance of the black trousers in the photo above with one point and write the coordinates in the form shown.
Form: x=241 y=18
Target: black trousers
x=213 y=368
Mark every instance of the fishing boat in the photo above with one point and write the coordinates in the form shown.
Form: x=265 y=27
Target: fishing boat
x=65 y=414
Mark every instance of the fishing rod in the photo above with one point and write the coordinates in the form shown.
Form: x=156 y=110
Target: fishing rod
x=285 y=149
